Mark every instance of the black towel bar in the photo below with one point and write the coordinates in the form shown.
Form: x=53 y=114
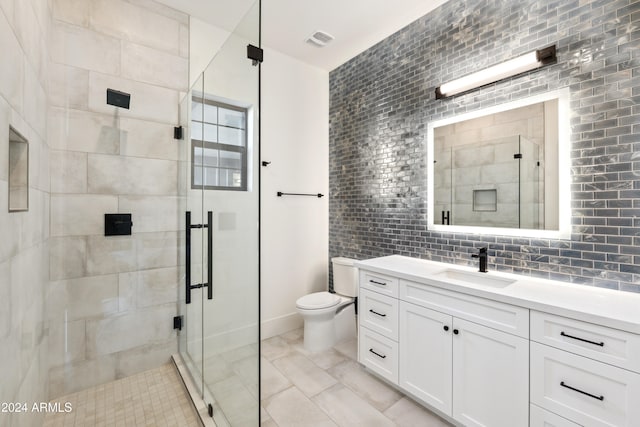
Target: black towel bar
x=318 y=195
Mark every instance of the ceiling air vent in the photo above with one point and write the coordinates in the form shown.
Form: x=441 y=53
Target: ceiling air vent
x=319 y=39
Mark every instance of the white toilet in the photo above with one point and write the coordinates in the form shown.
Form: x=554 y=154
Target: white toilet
x=331 y=318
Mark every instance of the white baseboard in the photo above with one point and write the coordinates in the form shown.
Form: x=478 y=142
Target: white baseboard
x=280 y=325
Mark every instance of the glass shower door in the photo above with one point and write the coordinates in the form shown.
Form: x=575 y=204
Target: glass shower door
x=190 y=299
x=221 y=186
x=230 y=175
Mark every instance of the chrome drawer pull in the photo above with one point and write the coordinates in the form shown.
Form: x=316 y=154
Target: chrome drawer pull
x=601 y=344
x=377 y=283
x=381 y=356
x=379 y=314
x=601 y=398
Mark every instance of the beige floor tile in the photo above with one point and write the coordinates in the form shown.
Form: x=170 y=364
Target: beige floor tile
x=373 y=390
x=247 y=370
x=407 y=413
x=216 y=369
x=238 y=404
x=272 y=381
x=264 y=415
x=324 y=359
x=291 y=408
x=240 y=353
x=304 y=374
x=274 y=348
x=348 y=409
x=293 y=336
x=348 y=348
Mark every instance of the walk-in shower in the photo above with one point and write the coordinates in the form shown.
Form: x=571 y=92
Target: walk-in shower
x=94 y=195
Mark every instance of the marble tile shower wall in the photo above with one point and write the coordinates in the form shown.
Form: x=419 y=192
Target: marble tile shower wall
x=111 y=299
x=24 y=236
x=382 y=100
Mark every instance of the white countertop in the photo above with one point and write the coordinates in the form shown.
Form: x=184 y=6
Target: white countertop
x=615 y=309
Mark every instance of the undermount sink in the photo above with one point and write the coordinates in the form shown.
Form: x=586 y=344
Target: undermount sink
x=473 y=278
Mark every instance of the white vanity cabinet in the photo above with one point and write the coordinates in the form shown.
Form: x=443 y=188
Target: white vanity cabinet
x=378 y=324
x=465 y=356
x=475 y=374
x=497 y=350
x=577 y=371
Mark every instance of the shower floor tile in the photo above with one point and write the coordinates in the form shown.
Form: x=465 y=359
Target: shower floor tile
x=152 y=398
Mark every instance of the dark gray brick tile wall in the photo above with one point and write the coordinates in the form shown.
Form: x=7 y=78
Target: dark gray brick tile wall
x=382 y=100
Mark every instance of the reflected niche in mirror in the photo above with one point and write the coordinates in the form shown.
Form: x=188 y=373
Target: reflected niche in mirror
x=498 y=168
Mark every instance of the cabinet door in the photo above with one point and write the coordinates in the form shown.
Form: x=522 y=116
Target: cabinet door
x=490 y=376
x=425 y=355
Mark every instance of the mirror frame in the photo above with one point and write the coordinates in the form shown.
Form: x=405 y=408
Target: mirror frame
x=564 y=183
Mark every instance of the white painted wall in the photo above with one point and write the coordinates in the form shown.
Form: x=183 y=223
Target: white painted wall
x=295 y=139
x=204 y=41
x=295 y=230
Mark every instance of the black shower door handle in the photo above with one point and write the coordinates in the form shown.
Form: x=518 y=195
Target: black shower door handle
x=209 y=254
x=188 y=228
x=187 y=251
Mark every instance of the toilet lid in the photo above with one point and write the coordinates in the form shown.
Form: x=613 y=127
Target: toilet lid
x=317 y=300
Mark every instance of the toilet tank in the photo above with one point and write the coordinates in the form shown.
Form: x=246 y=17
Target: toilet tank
x=345 y=276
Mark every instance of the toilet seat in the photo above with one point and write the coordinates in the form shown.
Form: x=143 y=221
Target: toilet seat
x=318 y=301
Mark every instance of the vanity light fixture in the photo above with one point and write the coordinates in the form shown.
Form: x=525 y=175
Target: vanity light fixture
x=512 y=67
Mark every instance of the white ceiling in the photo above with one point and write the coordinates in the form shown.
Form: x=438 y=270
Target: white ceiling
x=355 y=24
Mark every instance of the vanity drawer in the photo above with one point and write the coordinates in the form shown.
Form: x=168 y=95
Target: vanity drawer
x=380 y=283
x=503 y=317
x=607 y=345
x=539 y=417
x=379 y=354
x=583 y=390
x=379 y=313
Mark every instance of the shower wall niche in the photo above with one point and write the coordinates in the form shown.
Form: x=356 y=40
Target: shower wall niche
x=18 y=172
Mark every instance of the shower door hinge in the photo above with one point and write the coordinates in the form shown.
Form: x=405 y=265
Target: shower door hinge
x=255 y=54
x=517 y=156
x=177 y=132
x=177 y=323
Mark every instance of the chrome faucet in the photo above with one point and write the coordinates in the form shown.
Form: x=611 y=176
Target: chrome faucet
x=482 y=257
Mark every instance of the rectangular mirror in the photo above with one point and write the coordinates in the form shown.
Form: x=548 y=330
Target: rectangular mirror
x=496 y=170
x=18 y=172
